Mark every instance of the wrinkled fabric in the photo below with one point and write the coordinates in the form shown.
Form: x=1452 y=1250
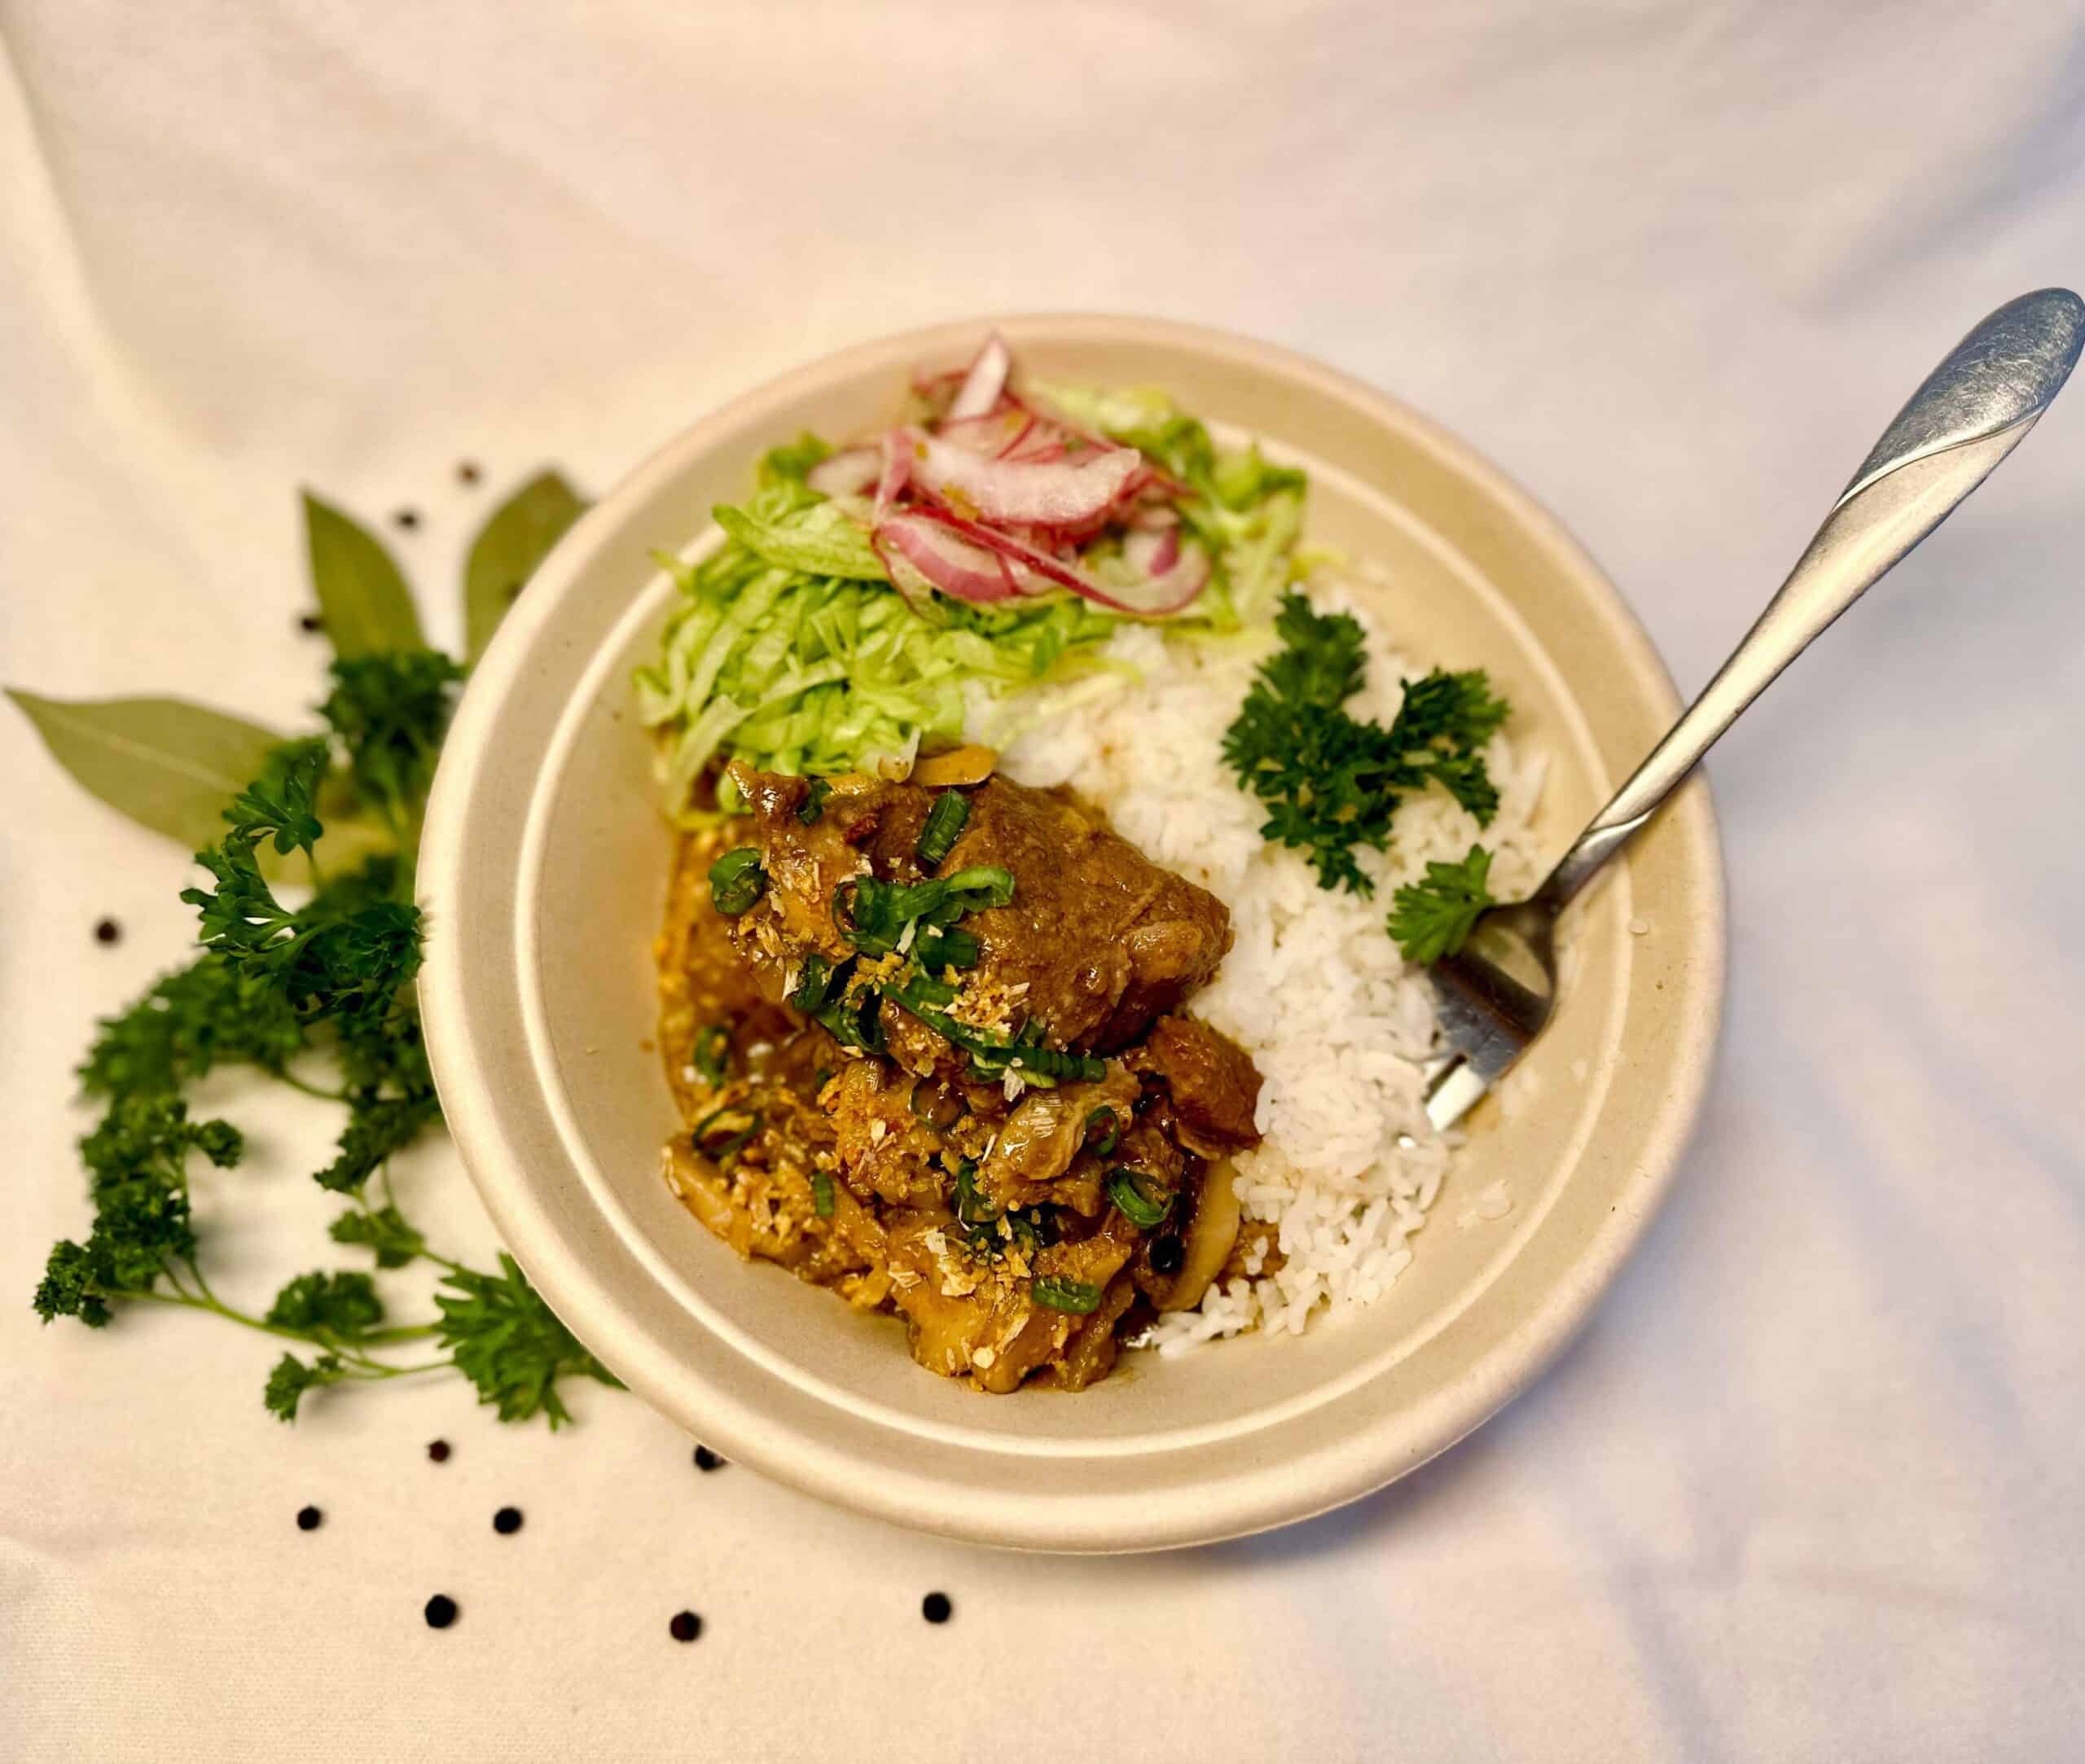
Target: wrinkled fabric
x=1809 y=1484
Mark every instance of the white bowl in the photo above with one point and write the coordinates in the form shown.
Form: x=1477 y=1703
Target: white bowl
x=544 y=871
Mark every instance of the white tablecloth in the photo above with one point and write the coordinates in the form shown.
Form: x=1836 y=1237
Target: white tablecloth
x=1810 y=1485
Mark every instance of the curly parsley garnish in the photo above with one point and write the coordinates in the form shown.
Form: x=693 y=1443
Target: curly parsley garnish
x=1433 y=918
x=293 y=990
x=1331 y=781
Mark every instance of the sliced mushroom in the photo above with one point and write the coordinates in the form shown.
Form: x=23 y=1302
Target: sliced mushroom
x=935 y=771
x=1211 y=1234
x=959 y=766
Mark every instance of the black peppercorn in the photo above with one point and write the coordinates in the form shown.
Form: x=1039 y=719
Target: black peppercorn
x=706 y=1459
x=309 y=1519
x=438 y=1450
x=685 y=1627
x=440 y=1612
x=506 y=1521
x=935 y=1609
x=407 y=518
x=108 y=931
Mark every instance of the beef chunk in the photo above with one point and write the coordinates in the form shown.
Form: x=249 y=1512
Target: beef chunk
x=1096 y=942
x=1212 y=1081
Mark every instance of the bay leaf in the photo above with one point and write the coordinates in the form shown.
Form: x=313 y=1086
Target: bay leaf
x=363 y=598
x=165 y=763
x=171 y=766
x=516 y=538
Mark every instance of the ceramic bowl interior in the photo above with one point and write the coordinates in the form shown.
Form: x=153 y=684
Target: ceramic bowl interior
x=544 y=871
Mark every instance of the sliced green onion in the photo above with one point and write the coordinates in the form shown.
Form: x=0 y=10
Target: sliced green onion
x=846 y=915
x=944 y=826
x=990 y=1058
x=723 y=1148
x=872 y=915
x=1127 y=1189
x=814 y=984
x=1055 y=1293
x=711 y=1056
x=736 y=880
x=971 y=1207
x=1035 y=1226
x=929 y=990
x=982 y=885
x=1102 y=1122
x=868 y=1019
x=814 y=803
x=1052 y=1064
x=949 y=947
x=856 y=1022
x=821 y=1194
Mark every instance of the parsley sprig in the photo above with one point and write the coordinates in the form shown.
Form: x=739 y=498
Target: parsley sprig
x=288 y=990
x=1433 y=918
x=1331 y=782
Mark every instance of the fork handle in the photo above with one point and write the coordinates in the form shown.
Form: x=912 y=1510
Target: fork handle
x=1971 y=412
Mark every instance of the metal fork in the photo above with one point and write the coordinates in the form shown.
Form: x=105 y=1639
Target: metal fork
x=1974 y=409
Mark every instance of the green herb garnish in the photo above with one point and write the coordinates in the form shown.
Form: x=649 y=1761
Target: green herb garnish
x=990 y=1060
x=872 y=915
x=711 y=1055
x=940 y=946
x=1052 y=1064
x=822 y=1197
x=813 y=805
x=389 y=712
x=736 y=880
x=1139 y=1200
x=815 y=983
x=928 y=991
x=855 y=1020
x=725 y=1130
x=1103 y=1132
x=971 y=1207
x=1032 y=1227
x=1433 y=918
x=384 y=1230
x=317 y=996
x=1055 y=1293
x=1331 y=782
x=509 y=1343
x=944 y=826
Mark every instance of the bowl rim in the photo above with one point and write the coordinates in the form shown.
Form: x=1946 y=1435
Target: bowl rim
x=1262 y=1494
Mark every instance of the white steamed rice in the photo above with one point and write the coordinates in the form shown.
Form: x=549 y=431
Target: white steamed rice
x=1313 y=988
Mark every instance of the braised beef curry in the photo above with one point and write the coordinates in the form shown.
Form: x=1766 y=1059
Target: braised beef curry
x=932 y=1047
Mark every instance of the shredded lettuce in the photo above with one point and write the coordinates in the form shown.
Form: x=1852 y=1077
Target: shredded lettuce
x=781 y=653
x=820 y=542
x=789 y=647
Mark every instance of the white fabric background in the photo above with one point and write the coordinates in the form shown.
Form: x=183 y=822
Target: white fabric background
x=1810 y=1485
